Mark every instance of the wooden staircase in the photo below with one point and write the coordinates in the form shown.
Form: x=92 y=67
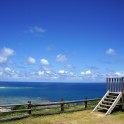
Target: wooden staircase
x=108 y=102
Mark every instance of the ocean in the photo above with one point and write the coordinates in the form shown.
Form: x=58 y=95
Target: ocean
x=21 y=92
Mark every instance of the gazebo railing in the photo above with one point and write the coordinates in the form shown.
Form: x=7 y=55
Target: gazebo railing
x=115 y=84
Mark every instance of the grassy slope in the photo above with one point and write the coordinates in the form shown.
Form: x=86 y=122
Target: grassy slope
x=81 y=117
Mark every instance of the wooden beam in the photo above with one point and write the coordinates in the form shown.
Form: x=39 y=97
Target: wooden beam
x=14 y=117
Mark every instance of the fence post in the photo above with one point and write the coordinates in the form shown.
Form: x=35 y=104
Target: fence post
x=29 y=107
x=62 y=105
x=85 y=103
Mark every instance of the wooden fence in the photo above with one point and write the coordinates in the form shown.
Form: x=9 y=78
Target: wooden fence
x=30 y=107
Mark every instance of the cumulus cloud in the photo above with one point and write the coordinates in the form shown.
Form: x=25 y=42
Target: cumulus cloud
x=31 y=60
x=49 y=75
x=5 y=53
x=82 y=73
x=48 y=72
x=36 y=29
x=120 y=74
x=62 y=72
x=88 y=72
x=44 y=62
x=64 y=75
x=89 y=76
x=7 y=72
x=110 y=52
x=71 y=73
x=7 y=69
x=40 y=73
x=61 y=58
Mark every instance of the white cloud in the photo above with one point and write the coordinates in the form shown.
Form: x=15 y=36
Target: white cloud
x=49 y=75
x=61 y=58
x=82 y=73
x=44 y=62
x=110 y=52
x=36 y=29
x=71 y=73
x=55 y=78
x=48 y=72
x=8 y=73
x=88 y=72
x=62 y=72
x=5 y=53
x=89 y=76
x=7 y=69
x=31 y=60
x=114 y=74
x=117 y=73
x=40 y=72
x=120 y=74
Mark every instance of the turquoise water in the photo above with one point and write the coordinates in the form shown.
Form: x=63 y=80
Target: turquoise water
x=21 y=92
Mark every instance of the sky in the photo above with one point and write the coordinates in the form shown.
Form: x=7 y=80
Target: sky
x=61 y=40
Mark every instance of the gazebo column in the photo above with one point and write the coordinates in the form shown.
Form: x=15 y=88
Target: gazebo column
x=122 y=89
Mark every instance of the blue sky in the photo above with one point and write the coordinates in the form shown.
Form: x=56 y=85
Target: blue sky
x=61 y=40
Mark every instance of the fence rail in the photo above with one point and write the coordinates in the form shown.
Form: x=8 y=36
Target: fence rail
x=43 y=106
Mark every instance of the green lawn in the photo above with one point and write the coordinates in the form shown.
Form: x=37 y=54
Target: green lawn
x=77 y=117
x=80 y=117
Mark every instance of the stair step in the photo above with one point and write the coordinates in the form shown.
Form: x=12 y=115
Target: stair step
x=112 y=96
x=107 y=102
x=109 y=99
x=114 y=93
x=105 y=105
x=102 y=108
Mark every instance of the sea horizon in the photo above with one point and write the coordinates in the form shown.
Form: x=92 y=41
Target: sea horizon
x=57 y=81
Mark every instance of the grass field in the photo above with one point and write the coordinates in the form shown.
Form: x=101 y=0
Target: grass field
x=80 y=117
